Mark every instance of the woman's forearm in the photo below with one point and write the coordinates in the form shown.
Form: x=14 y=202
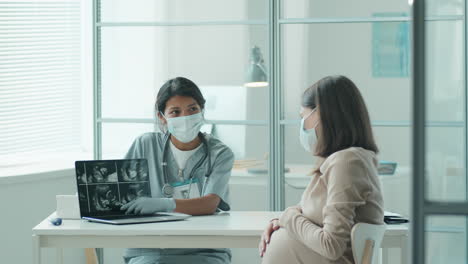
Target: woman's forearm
x=205 y=205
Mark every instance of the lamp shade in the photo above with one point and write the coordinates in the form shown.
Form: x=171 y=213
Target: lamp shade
x=256 y=72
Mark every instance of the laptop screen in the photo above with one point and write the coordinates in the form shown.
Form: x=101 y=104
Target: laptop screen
x=105 y=185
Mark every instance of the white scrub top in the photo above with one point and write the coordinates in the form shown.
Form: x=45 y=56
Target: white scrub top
x=150 y=146
x=182 y=156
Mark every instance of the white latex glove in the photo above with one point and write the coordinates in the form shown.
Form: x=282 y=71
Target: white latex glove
x=147 y=205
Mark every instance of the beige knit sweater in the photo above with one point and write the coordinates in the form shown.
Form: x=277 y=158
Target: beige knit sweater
x=318 y=230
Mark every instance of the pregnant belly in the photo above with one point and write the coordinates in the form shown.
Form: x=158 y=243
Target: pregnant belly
x=284 y=249
x=278 y=249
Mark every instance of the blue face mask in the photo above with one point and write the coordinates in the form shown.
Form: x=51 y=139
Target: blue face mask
x=308 y=137
x=185 y=128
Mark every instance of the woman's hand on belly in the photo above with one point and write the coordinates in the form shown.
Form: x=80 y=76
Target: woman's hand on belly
x=266 y=236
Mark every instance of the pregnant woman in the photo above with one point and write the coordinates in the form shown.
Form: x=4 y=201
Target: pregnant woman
x=344 y=188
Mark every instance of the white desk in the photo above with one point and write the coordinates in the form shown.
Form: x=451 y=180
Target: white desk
x=232 y=230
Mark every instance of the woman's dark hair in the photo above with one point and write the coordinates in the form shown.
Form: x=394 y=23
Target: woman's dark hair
x=178 y=86
x=344 y=117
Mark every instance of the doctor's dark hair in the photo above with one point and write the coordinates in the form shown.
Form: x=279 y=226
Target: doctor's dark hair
x=344 y=117
x=178 y=86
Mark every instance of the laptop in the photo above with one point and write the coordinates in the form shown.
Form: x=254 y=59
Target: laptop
x=105 y=185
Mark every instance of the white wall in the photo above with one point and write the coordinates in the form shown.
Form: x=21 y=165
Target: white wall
x=23 y=205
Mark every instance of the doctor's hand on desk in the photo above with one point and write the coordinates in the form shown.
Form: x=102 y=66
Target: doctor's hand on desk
x=266 y=236
x=147 y=205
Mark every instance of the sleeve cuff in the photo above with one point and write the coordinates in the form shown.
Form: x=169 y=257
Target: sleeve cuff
x=223 y=205
x=169 y=204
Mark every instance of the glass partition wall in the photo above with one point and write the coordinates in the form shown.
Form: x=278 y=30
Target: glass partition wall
x=141 y=44
x=439 y=189
x=370 y=42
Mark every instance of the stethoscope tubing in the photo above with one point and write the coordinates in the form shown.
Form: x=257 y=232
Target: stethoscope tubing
x=198 y=165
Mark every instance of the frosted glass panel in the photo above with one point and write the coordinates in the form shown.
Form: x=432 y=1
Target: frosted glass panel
x=337 y=8
x=446 y=240
x=382 y=51
x=247 y=142
x=363 y=8
x=350 y=50
x=117 y=138
x=445 y=71
x=445 y=178
x=182 y=10
x=136 y=61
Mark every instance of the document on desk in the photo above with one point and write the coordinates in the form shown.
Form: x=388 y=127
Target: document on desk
x=394 y=218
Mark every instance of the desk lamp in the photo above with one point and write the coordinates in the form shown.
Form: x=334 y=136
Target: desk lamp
x=256 y=73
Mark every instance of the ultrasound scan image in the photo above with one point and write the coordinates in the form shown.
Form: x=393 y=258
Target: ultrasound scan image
x=83 y=198
x=133 y=171
x=101 y=172
x=80 y=174
x=104 y=197
x=132 y=191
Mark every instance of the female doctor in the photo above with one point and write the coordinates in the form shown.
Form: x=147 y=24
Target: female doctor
x=189 y=171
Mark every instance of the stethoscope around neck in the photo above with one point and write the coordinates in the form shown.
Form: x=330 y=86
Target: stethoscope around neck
x=167 y=189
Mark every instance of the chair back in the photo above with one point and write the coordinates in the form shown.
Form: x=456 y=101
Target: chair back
x=365 y=242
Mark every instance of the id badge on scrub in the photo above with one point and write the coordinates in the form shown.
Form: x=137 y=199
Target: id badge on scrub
x=186 y=190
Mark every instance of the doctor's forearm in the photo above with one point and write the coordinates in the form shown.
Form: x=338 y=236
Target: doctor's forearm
x=205 y=205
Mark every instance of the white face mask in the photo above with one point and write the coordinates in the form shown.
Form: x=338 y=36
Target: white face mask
x=185 y=128
x=308 y=137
